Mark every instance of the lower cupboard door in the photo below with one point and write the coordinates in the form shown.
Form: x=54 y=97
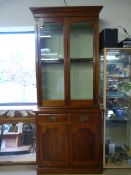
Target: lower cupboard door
x=85 y=144
x=53 y=145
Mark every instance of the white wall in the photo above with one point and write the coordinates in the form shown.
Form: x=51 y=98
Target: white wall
x=14 y=13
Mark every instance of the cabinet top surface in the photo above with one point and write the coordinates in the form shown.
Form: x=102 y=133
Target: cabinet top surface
x=67 y=11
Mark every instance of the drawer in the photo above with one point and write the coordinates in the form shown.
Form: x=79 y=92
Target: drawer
x=83 y=117
x=52 y=117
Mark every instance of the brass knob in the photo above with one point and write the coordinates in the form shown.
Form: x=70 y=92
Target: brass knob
x=84 y=119
x=52 y=118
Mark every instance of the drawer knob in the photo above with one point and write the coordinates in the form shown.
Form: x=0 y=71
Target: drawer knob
x=52 y=118
x=84 y=119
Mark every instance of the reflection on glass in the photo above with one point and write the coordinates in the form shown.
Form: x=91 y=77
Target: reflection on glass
x=81 y=61
x=101 y=92
x=52 y=59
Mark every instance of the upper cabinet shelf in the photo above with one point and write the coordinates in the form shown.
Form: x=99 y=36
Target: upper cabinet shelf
x=67 y=56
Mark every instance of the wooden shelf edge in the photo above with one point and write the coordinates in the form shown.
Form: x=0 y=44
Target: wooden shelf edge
x=16 y=120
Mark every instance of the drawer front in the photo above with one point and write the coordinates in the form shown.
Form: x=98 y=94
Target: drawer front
x=52 y=118
x=84 y=117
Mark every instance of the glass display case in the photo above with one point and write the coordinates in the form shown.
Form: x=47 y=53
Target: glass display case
x=115 y=97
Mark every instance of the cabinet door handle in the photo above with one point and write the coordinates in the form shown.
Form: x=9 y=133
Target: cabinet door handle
x=52 y=118
x=84 y=119
x=81 y=119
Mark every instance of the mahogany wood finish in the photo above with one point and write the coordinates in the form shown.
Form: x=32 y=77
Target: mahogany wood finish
x=85 y=140
x=69 y=132
x=53 y=139
x=69 y=143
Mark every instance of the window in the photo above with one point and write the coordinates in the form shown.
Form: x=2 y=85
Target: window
x=17 y=68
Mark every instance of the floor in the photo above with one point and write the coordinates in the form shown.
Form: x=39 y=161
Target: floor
x=26 y=158
x=31 y=170
x=18 y=170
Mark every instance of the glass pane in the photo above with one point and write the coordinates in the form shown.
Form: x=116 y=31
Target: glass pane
x=81 y=60
x=102 y=76
x=52 y=61
x=17 y=68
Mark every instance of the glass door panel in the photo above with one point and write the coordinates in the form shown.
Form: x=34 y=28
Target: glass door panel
x=81 y=61
x=102 y=85
x=52 y=60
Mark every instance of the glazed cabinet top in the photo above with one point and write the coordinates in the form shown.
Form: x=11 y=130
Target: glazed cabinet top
x=67 y=56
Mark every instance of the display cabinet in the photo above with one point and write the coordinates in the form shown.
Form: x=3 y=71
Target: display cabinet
x=69 y=118
x=115 y=97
